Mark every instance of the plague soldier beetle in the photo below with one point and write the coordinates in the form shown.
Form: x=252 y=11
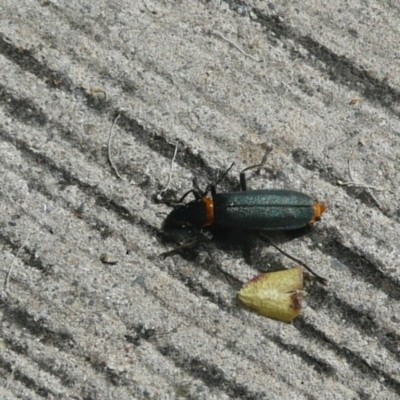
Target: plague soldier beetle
x=257 y=210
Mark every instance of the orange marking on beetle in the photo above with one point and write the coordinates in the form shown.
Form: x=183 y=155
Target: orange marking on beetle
x=319 y=209
x=209 y=203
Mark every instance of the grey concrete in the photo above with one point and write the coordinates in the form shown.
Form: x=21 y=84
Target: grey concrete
x=318 y=81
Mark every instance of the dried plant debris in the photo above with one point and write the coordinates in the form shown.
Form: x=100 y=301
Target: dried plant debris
x=276 y=295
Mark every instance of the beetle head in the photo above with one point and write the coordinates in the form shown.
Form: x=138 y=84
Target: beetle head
x=190 y=214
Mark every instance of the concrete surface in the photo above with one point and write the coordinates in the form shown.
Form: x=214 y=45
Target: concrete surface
x=89 y=310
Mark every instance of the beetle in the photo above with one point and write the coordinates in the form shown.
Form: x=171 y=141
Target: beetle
x=266 y=209
x=257 y=210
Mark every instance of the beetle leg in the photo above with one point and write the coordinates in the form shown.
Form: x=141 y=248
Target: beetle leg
x=174 y=202
x=187 y=245
x=321 y=279
x=207 y=235
x=184 y=246
x=195 y=193
x=211 y=188
x=243 y=185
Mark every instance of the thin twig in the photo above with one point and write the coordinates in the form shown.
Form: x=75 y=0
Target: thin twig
x=6 y=282
x=349 y=165
x=147 y=8
x=170 y=171
x=368 y=188
x=220 y=35
x=361 y=185
x=150 y=23
x=10 y=378
x=109 y=148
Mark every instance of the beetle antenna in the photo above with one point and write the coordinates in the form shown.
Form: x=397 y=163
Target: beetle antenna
x=224 y=175
x=212 y=186
x=321 y=279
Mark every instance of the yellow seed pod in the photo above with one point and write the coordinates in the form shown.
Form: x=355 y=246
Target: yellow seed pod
x=276 y=295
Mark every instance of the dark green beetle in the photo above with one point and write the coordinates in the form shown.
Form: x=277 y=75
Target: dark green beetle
x=257 y=210
x=268 y=209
